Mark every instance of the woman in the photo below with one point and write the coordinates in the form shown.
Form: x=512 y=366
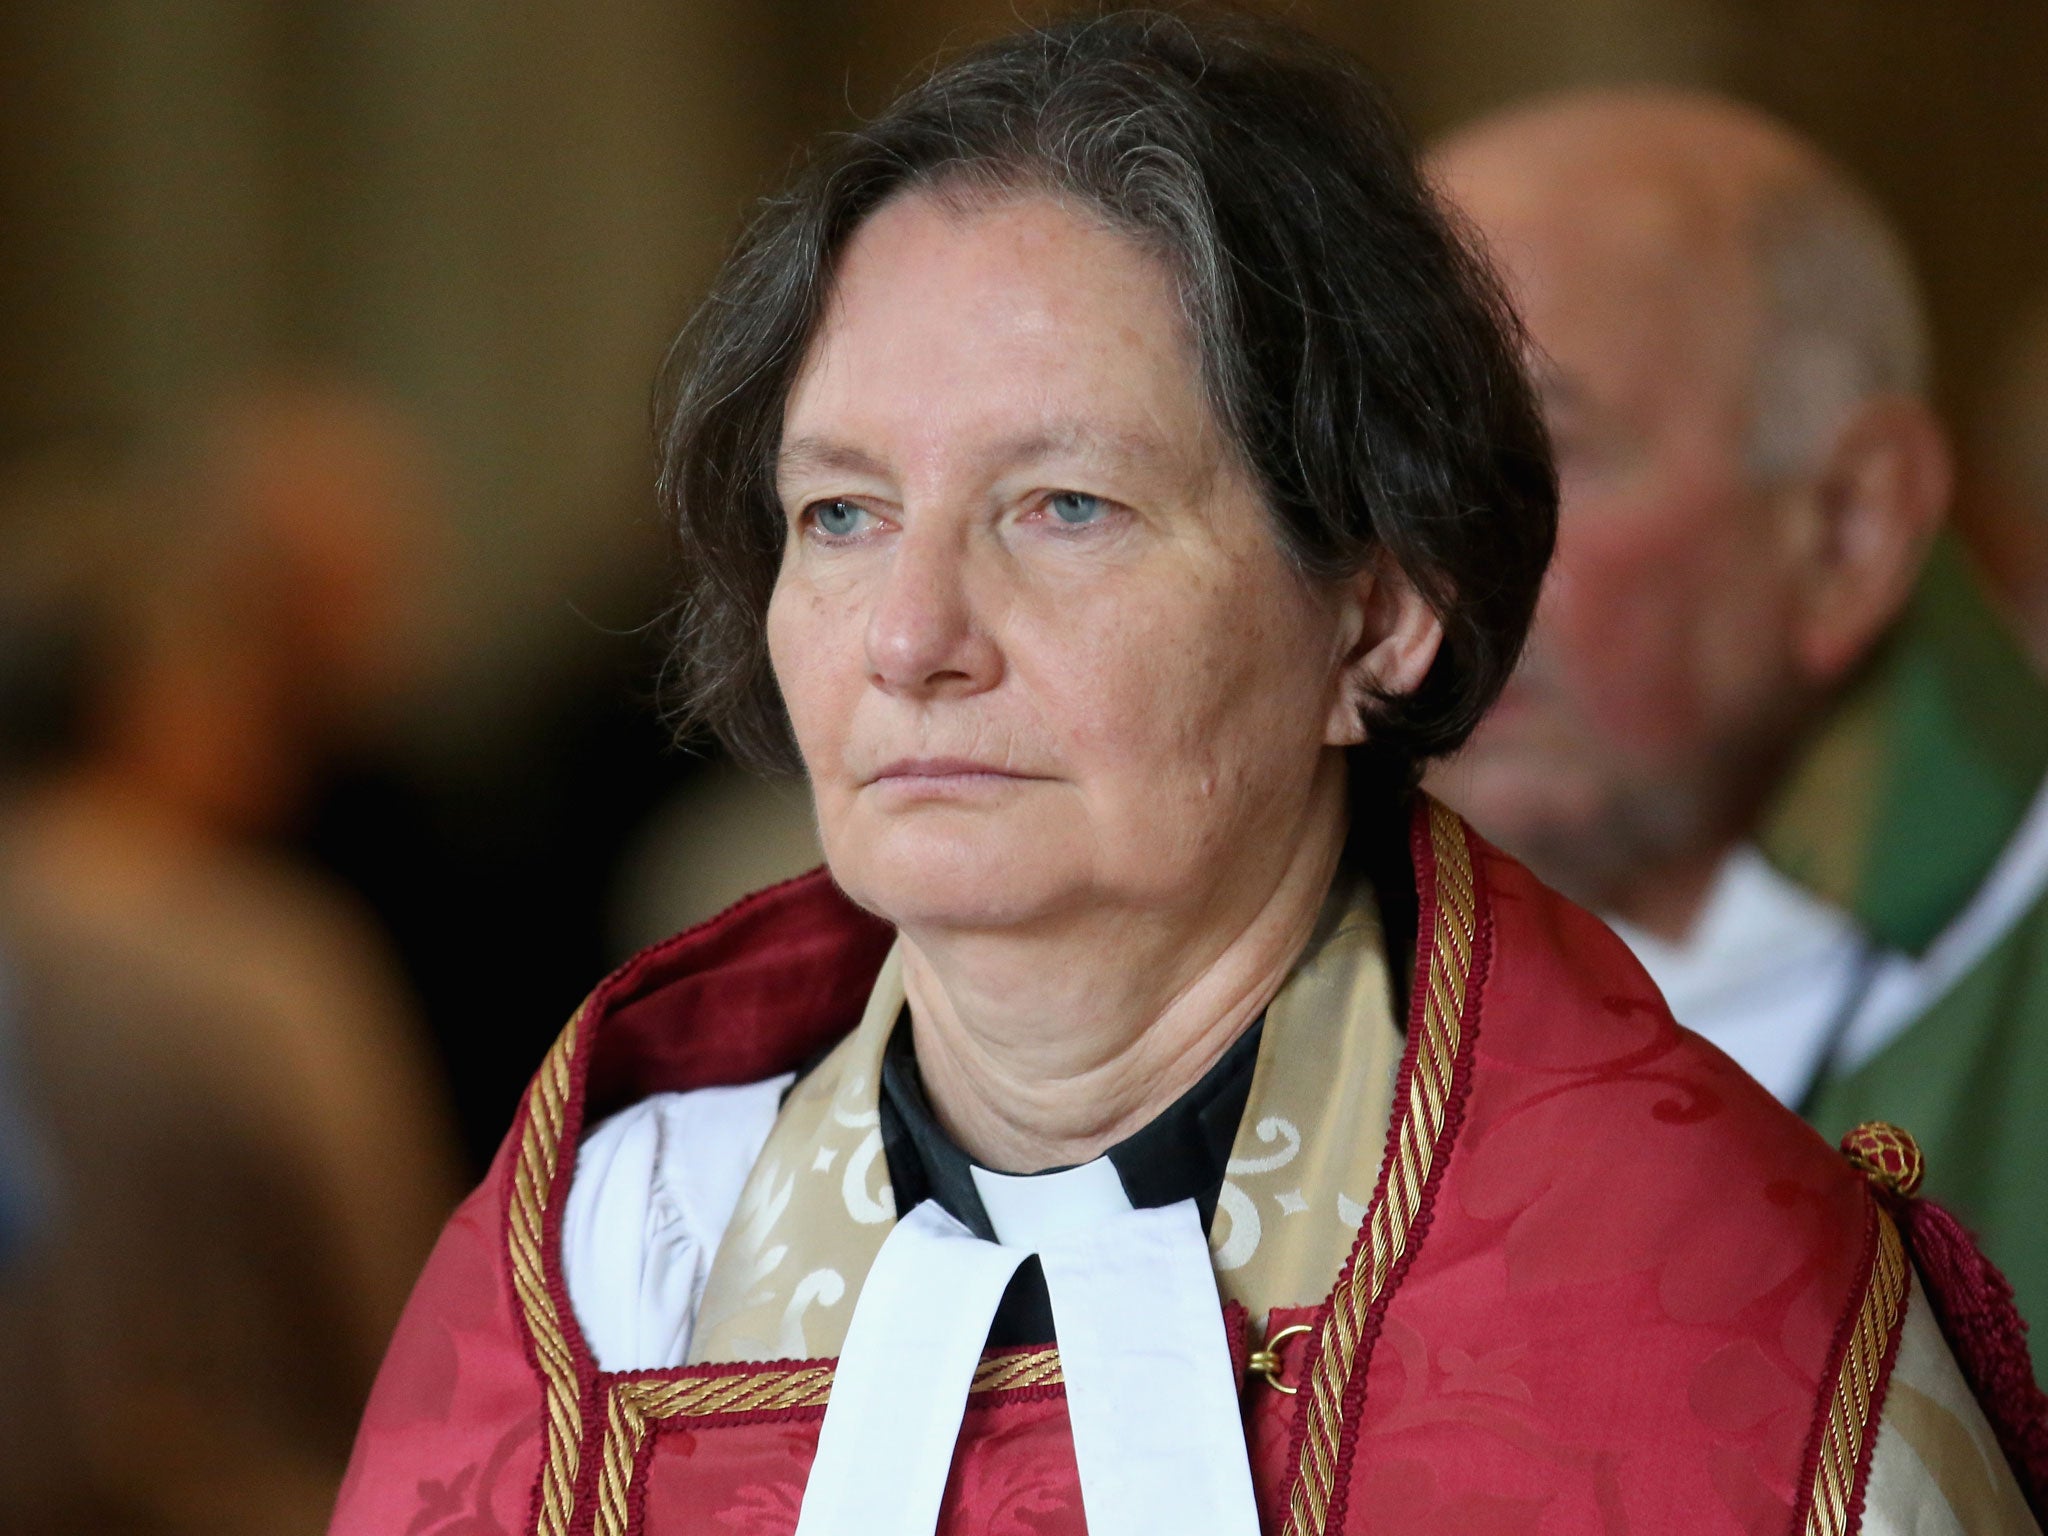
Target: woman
x=1108 y=478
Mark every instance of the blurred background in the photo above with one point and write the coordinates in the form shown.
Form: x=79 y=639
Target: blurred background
x=330 y=584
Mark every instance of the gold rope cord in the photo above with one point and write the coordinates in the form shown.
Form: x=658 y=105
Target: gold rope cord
x=1422 y=1123
x=625 y=1428
x=635 y=1403
x=540 y=1147
x=1842 y=1440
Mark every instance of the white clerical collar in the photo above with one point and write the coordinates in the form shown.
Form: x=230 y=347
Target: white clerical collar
x=1030 y=1210
x=1151 y=1388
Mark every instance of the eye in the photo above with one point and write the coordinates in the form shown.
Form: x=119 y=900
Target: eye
x=1077 y=508
x=837 y=518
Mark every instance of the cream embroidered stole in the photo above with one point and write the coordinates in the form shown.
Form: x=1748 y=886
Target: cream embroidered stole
x=1306 y=1159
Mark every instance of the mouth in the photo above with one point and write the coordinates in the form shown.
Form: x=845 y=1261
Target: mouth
x=945 y=772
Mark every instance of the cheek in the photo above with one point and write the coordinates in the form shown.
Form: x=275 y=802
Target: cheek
x=1196 y=690
x=1649 y=619
x=805 y=649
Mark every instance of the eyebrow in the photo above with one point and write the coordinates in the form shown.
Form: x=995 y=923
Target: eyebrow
x=812 y=453
x=822 y=453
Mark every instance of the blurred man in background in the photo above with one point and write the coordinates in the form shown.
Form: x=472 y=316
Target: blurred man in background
x=22 y=1171
x=2005 y=517
x=247 y=1159
x=1767 y=725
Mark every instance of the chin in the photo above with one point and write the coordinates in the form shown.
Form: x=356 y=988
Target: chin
x=940 y=877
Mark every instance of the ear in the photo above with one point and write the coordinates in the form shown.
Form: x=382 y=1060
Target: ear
x=1874 y=509
x=1388 y=638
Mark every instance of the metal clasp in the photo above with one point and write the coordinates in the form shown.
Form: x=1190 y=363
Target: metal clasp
x=1265 y=1360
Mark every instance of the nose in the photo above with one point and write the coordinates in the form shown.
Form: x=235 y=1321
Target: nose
x=925 y=636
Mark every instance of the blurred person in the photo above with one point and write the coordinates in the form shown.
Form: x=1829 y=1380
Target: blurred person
x=23 y=1170
x=1108 y=479
x=247 y=1156
x=524 y=840
x=37 y=665
x=724 y=833
x=2004 y=518
x=1766 y=723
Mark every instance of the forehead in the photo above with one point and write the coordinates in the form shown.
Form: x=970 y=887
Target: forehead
x=1630 y=282
x=954 y=322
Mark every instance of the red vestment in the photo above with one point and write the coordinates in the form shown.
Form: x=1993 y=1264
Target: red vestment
x=1605 y=1283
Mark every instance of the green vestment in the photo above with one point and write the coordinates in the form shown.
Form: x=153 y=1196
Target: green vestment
x=1896 y=813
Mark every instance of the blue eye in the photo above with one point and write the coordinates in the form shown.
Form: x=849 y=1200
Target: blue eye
x=1077 y=508
x=837 y=519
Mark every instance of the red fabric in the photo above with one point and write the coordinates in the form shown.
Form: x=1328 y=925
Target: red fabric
x=450 y=1443
x=1013 y=1475
x=1624 y=1309
x=758 y=990
x=451 y=1440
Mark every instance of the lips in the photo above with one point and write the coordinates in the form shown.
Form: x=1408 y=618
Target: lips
x=944 y=768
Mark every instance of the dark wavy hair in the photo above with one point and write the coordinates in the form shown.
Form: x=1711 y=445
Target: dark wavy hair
x=1358 y=352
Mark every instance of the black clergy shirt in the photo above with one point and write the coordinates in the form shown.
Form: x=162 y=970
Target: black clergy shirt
x=1181 y=1154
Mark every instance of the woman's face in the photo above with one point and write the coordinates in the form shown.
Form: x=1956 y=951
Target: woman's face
x=1042 y=653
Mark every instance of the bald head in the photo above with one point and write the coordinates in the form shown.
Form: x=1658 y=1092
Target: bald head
x=1731 y=352
x=1776 y=270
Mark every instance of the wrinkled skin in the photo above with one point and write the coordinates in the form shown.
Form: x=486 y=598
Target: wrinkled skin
x=1072 y=720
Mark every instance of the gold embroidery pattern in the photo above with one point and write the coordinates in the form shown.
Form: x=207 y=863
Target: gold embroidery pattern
x=1842 y=1441
x=533 y=1179
x=1415 y=1144
x=634 y=1404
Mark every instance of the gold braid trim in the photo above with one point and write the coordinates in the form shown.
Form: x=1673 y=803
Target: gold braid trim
x=634 y=1404
x=533 y=1179
x=1842 y=1440
x=1415 y=1144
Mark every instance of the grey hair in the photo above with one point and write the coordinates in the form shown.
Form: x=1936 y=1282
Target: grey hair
x=1842 y=320
x=1364 y=362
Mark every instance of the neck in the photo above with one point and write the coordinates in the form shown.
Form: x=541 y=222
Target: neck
x=1664 y=890
x=1666 y=902
x=1041 y=1051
